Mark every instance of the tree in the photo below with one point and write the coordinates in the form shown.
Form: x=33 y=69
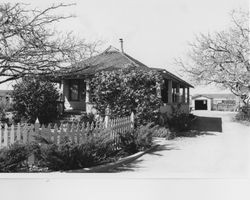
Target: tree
x=125 y=91
x=35 y=98
x=223 y=57
x=29 y=45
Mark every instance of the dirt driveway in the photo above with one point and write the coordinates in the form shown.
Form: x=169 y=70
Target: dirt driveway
x=223 y=152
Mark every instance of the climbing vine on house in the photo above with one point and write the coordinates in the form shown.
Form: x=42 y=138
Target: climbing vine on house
x=125 y=91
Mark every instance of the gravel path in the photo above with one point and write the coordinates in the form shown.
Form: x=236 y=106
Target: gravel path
x=223 y=154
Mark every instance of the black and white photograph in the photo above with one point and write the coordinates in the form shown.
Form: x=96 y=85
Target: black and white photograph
x=122 y=97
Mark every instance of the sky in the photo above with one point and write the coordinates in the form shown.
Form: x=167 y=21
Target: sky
x=154 y=31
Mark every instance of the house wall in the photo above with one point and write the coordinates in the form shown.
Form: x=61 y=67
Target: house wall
x=6 y=99
x=167 y=108
x=209 y=102
x=73 y=105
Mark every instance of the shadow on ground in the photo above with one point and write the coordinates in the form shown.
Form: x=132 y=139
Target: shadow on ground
x=133 y=166
x=208 y=124
x=201 y=126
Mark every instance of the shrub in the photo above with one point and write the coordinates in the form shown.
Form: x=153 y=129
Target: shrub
x=243 y=114
x=180 y=122
x=162 y=132
x=35 y=97
x=2 y=111
x=14 y=158
x=87 y=118
x=177 y=121
x=125 y=91
x=136 y=140
x=96 y=149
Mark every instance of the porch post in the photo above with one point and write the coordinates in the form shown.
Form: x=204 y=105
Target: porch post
x=170 y=99
x=61 y=92
x=184 y=95
x=188 y=95
x=178 y=93
x=61 y=97
x=88 y=106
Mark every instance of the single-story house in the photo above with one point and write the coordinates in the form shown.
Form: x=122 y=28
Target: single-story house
x=74 y=81
x=222 y=102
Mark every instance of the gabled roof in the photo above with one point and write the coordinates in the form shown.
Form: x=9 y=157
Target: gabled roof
x=216 y=96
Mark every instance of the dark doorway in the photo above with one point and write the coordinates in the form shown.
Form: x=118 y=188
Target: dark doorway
x=200 y=104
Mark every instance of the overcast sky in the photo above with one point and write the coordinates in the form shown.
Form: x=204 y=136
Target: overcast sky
x=154 y=31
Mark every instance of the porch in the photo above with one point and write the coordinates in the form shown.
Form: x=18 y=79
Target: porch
x=75 y=95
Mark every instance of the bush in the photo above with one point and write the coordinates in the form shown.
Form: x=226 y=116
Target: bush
x=14 y=158
x=2 y=111
x=35 y=97
x=178 y=121
x=87 y=118
x=136 y=140
x=96 y=149
x=243 y=114
x=125 y=91
x=162 y=132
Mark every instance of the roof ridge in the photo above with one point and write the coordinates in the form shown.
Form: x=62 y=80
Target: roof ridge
x=123 y=54
x=108 y=49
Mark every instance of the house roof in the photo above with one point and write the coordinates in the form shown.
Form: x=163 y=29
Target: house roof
x=110 y=59
x=167 y=74
x=215 y=96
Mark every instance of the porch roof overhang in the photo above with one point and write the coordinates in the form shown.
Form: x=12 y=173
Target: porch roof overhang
x=168 y=75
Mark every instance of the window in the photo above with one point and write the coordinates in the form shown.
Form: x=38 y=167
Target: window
x=74 y=90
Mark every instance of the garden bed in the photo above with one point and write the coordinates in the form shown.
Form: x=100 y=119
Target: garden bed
x=98 y=149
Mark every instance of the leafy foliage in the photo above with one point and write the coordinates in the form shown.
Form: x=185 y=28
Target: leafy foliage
x=68 y=155
x=2 y=111
x=162 y=132
x=35 y=97
x=87 y=118
x=177 y=121
x=243 y=114
x=137 y=140
x=13 y=158
x=125 y=91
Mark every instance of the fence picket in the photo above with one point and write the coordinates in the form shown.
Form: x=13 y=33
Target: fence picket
x=60 y=133
x=12 y=134
x=77 y=132
x=18 y=132
x=5 y=136
x=1 y=136
x=55 y=135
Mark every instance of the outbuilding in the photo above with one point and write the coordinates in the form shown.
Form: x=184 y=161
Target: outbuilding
x=221 y=102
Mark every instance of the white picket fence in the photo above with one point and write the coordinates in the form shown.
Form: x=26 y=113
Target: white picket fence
x=25 y=133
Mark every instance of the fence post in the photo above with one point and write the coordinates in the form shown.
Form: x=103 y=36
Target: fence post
x=107 y=117
x=31 y=158
x=132 y=119
x=106 y=121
